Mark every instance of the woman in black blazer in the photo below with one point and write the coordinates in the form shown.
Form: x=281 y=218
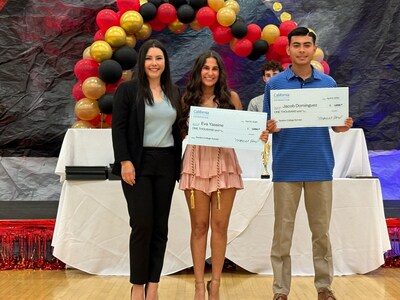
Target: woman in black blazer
x=147 y=150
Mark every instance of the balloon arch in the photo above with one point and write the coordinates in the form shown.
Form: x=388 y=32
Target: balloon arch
x=110 y=58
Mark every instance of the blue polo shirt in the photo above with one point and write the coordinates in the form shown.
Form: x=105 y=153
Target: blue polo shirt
x=300 y=154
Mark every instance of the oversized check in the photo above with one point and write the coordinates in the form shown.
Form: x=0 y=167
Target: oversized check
x=228 y=128
x=310 y=107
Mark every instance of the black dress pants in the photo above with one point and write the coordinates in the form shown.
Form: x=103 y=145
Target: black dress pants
x=149 y=203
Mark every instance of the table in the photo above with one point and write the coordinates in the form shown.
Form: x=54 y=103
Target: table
x=93 y=147
x=92 y=227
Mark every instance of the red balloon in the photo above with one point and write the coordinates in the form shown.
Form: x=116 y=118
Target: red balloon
x=156 y=24
x=281 y=42
x=77 y=91
x=286 y=27
x=125 y=5
x=108 y=119
x=112 y=87
x=95 y=121
x=107 y=18
x=327 y=69
x=285 y=59
x=243 y=47
x=285 y=65
x=85 y=68
x=271 y=53
x=205 y=16
x=253 y=32
x=166 y=13
x=222 y=34
x=99 y=35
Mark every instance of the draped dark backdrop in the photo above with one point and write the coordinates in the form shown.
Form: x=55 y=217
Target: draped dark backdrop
x=41 y=40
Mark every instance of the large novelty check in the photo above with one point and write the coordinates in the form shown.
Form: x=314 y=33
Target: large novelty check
x=226 y=128
x=319 y=107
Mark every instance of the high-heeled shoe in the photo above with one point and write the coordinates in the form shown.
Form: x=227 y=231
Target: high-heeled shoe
x=199 y=286
x=209 y=283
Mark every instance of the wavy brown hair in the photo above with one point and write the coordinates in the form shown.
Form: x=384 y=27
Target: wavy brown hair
x=194 y=90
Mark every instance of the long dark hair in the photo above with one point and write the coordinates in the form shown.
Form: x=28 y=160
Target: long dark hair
x=169 y=89
x=194 y=91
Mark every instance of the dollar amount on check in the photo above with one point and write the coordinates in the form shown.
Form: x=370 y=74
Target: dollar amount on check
x=320 y=107
x=228 y=128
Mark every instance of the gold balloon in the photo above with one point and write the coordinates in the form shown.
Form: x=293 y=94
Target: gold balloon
x=93 y=87
x=285 y=16
x=86 y=109
x=232 y=43
x=317 y=65
x=86 y=53
x=115 y=36
x=144 y=32
x=232 y=4
x=226 y=16
x=142 y=2
x=100 y=50
x=270 y=33
x=215 y=5
x=131 y=21
x=82 y=124
x=277 y=6
x=195 y=25
x=131 y=41
x=318 y=55
x=177 y=26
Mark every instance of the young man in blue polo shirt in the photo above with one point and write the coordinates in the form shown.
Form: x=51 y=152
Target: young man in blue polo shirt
x=302 y=159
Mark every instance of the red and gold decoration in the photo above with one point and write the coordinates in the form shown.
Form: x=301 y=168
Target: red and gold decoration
x=392 y=257
x=26 y=244
x=135 y=20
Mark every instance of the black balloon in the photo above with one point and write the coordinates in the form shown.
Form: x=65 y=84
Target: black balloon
x=105 y=103
x=126 y=57
x=157 y=3
x=260 y=46
x=253 y=56
x=239 y=29
x=110 y=71
x=197 y=4
x=186 y=14
x=177 y=3
x=148 y=11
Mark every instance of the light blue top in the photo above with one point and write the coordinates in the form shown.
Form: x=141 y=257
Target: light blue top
x=300 y=154
x=158 y=122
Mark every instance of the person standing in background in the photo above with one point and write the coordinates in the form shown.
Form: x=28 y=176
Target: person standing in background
x=302 y=159
x=147 y=149
x=268 y=70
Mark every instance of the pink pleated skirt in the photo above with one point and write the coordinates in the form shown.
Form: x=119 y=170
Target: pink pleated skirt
x=210 y=168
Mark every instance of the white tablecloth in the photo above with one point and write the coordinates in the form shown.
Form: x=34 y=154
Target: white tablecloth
x=92 y=227
x=93 y=147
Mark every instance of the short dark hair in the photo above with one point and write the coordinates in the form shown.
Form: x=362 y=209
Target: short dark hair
x=271 y=65
x=302 y=31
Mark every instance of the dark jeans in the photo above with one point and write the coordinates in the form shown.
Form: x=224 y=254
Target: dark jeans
x=149 y=203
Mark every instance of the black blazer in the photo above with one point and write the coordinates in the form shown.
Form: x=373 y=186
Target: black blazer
x=128 y=129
